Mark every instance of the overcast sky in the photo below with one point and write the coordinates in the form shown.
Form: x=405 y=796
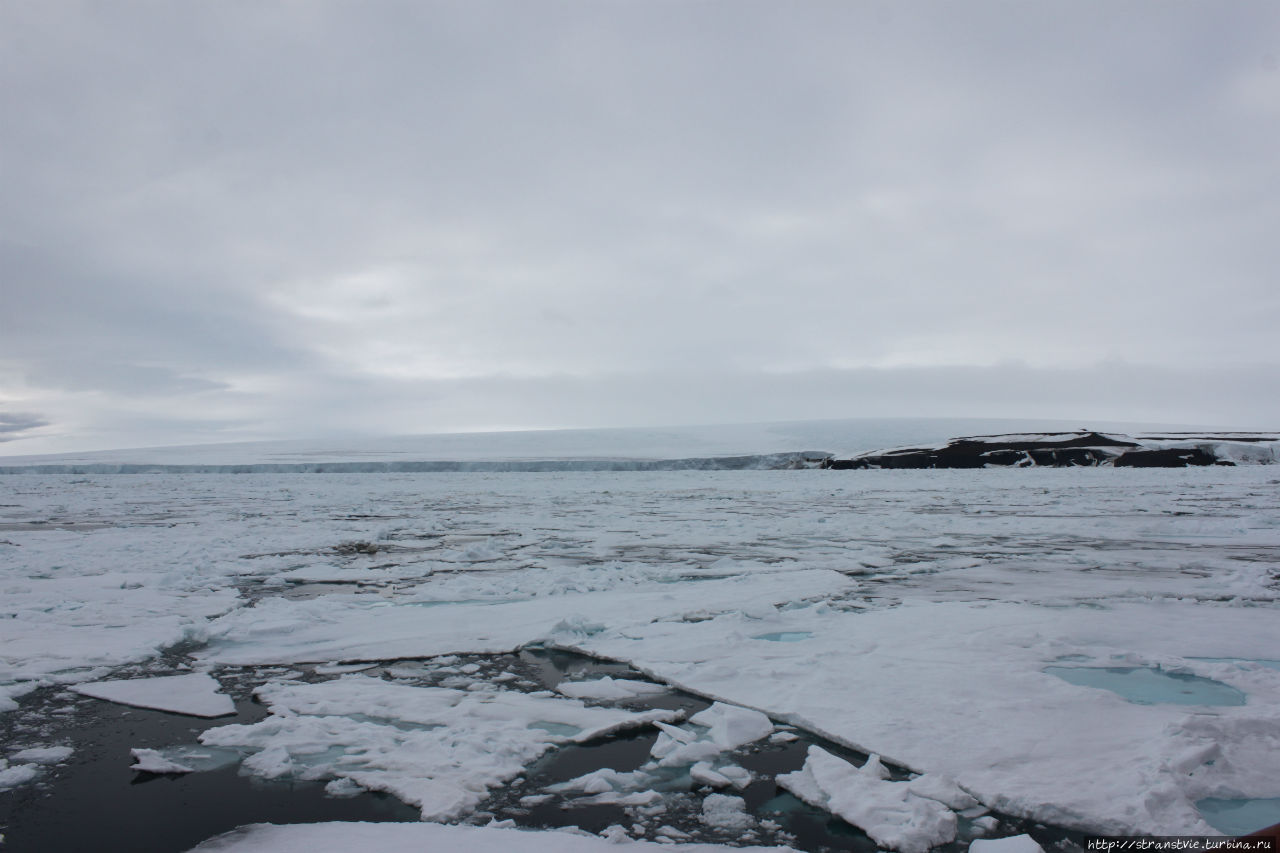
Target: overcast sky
x=229 y=221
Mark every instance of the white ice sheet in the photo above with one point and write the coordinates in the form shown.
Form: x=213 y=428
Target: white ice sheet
x=196 y=694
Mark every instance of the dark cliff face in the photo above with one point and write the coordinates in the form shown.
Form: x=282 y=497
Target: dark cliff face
x=1062 y=450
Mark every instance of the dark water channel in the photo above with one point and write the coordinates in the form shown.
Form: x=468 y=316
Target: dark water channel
x=94 y=801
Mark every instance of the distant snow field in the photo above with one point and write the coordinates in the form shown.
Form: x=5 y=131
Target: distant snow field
x=1092 y=649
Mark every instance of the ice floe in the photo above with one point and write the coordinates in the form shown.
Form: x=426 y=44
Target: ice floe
x=413 y=838
x=609 y=688
x=196 y=694
x=910 y=614
x=43 y=754
x=438 y=749
x=896 y=815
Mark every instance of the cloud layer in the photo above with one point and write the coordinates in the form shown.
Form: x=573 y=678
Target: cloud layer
x=250 y=220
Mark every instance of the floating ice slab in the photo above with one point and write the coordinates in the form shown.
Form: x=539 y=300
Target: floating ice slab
x=893 y=814
x=184 y=759
x=609 y=688
x=195 y=694
x=43 y=754
x=726 y=812
x=18 y=774
x=731 y=726
x=435 y=748
x=1145 y=686
x=1240 y=817
x=417 y=837
x=151 y=761
x=1012 y=844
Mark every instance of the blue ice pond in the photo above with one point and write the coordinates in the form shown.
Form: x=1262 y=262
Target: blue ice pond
x=785 y=636
x=1239 y=817
x=1146 y=686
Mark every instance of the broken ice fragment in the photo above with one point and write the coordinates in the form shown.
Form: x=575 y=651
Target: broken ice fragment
x=43 y=755
x=732 y=726
x=195 y=694
x=609 y=688
x=18 y=774
x=889 y=812
x=151 y=761
x=704 y=775
x=1012 y=844
x=726 y=812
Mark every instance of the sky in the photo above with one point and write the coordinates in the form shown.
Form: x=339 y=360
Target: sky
x=251 y=220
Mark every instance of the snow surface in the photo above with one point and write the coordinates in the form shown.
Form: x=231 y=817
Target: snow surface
x=932 y=602
x=195 y=694
x=414 y=838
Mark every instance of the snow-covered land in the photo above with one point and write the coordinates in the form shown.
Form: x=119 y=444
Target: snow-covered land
x=1091 y=648
x=1078 y=448
x=734 y=446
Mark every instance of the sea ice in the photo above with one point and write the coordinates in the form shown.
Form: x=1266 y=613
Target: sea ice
x=43 y=754
x=892 y=813
x=11 y=776
x=196 y=694
x=417 y=837
x=435 y=748
x=1011 y=844
x=609 y=688
x=934 y=601
x=151 y=761
x=726 y=812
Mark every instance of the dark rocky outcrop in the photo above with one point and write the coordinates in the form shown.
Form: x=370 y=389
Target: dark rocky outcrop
x=1169 y=457
x=1062 y=450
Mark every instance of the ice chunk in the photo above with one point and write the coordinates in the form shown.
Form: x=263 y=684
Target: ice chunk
x=433 y=747
x=726 y=812
x=889 y=812
x=415 y=837
x=732 y=726
x=940 y=787
x=609 y=688
x=703 y=774
x=1012 y=844
x=740 y=776
x=151 y=761
x=43 y=754
x=195 y=694
x=18 y=774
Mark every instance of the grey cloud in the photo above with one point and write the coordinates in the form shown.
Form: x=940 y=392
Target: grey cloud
x=628 y=190
x=13 y=424
x=127 y=379
x=1206 y=396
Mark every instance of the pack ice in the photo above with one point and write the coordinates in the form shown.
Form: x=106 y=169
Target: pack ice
x=914 y=615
